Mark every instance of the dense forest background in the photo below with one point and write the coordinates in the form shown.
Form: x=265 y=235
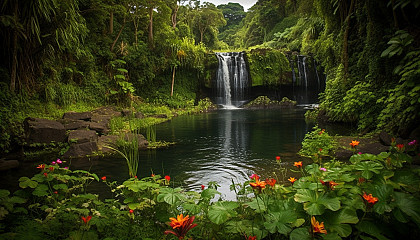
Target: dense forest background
x=76 y=54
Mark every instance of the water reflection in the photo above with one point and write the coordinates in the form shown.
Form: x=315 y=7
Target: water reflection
x=222 y=146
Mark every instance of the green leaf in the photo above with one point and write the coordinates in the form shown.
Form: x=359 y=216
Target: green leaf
x=40 y=190
x=315 y=203
x=25 y=182
x=4 y=193
x=122 y=70
x=408 y=205
x=280 y=221
x=220 y=212
x=368 y=168
x=134 y=205
x=383 y=193
x=257 y=205
x=171 y=195
x=209 y=193
x=300 y=234
x=16 y=199
x=370 y=228
x=60 y=186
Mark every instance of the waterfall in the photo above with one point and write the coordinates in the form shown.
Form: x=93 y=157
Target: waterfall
x=306 y=79
x=231 y=79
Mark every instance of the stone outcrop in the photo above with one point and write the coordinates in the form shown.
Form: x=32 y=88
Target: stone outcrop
x=38 y=130
x=86 y=132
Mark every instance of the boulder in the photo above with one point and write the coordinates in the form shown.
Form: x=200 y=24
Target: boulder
x=160 y=116
x=106 y=111
x=385 y=138
x=81 y=150
x=108 y=140
x=9 y=164
x=76 y=124
x=82 y=136
x=99 y=127
x=38 y=130
x=104 y=119
x=78 y=115
x=142 y=142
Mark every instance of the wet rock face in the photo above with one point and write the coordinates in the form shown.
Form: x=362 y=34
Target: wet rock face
x=40 y=130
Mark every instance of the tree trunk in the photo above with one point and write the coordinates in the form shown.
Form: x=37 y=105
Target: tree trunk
x=394 y=14
x=13 y=71
x=118 y=35
x=173 y=17
x=151 y=44
x=111 y=23
x=346 y=39
x=173 y=81
x=201 y=36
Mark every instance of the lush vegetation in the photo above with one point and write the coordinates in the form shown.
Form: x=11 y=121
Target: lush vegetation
x=370 y=197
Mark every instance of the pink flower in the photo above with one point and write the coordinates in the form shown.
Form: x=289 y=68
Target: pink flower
x=414 y=142
x=359 y=153
x=323 y=169
x=59 y=161
x=66 y=167
x=254 y=176
x=53 y=163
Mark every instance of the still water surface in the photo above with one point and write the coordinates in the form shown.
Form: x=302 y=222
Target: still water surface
x=220 y=146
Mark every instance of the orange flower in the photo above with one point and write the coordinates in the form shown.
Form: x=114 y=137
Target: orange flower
x=321 y=132
x=103 y=178
x=370 y=199
x=317 y=227
x=330 y=184
x=298 y=164
x=258 y=184
x=252 y=238
x=354 y=143
x=292 y=179
x=41 y=166
x=181 y=225
x=400 y=147
x=271 y=181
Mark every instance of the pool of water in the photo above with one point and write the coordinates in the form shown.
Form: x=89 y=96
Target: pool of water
x=220 y=146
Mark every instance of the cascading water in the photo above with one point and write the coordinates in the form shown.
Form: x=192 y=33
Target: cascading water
x=231 y=79
x=306 y=82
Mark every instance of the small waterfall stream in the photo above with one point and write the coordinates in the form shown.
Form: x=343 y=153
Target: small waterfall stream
x=232 y=79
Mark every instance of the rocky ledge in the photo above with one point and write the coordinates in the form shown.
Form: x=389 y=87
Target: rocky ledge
x=86 y=132
x=263 y=102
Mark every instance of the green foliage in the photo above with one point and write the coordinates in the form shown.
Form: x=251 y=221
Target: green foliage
x=317 y=144
x=268 y=67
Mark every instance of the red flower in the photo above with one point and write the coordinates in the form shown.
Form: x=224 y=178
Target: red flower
x=330 y=184
x=135 y=177
x=86 y=219
x=277 y=158
x=51 y=169
x=45 y=174
x=298 y=164
x=271 y=181
x=202 y=187
x=167 y=178
x=181 y=225
x=41 y=166
x=131 y=211
x=103 y=178
x=254 y=176
x=252 y=238
x=153 y=175
x=400 y=147
x=55 y=192
x=370 y=199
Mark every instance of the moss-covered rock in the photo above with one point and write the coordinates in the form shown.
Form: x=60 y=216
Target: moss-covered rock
x=269 y=67
x=263 y=102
